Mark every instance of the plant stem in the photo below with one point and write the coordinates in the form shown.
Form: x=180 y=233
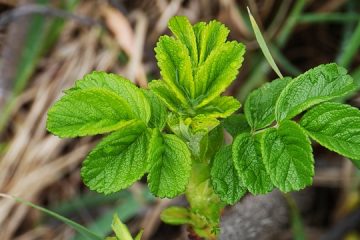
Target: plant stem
x=204 y=203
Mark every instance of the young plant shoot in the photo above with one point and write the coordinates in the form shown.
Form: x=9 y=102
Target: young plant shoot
x=173 y=134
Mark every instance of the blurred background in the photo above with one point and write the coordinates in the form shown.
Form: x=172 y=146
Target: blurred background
x=46 y=45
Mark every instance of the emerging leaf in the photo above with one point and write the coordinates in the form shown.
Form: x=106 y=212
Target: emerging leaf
x=224 y=177
x=182 y=29
x=170 y=165
x=317 y=85
x=88 y=112
x=176 y=216
x=175 y=65
x=260 y=104
x=118 y=160
x=121 y=86
x=165 y=94
x=218 y=72
x=209 y=37
x=335 y=126
x=287 y=156
x=249 y=164
x=220 y=107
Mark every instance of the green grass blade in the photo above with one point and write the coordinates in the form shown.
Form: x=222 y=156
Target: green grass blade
x=328 y=17
x=297 y=225
x=260 y=39
x=351 y=48
x=85 y=233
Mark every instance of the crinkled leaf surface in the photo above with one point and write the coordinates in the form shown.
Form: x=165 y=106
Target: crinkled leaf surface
x=182 y=29
x=317 y=85
x=260 y=105
x=224 y=177
x=220 y=107
x=123 y=87
x=168 y=97
x=288 y=158
x=118 y=160
x=336 y=126
x=218 y=72
x=236 y=124
x=249 y=164
x=88 y=112
x=170 y=165
x=209 y=37
x=158 y=110
x=175 y=65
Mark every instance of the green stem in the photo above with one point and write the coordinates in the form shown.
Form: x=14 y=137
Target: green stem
x=204 y=203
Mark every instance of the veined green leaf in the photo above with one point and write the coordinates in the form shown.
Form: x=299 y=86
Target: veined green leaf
x=175 y=65
x=317 y=85
x=220 y=107
x=118 y=160
x=158 y=110
x=182 y=29
x=219 y=70
x=88 y=112
x=287 y=156
x=165 y=94
x=249 y=164
x=260 y=104
x=170 y=165
x=123 y=87
x=336 y=126
x=209 y=37
x=236 y=124
x=224 y=177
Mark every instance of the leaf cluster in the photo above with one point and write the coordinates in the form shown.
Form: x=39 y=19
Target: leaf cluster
x=158 y=131
x=271 y=149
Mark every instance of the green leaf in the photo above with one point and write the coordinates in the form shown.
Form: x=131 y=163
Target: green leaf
x=336 y=126
x=260 y=39
x=249 y=164
x=175 y=65
x=118 y=160
x=88 y=112
x=287 y=156
x=317 y=85
x=123 y=87
x=209 y=37
x=165 y=94
x=236 y=124
x=121 y=231
x=170 y=165
x=224 y=177
x=218 y=72
x=158 y=110
x=182 y=29
x=85 y=233
x=215 y=140
x=260 y=104
x=176 y=216
x=220 y=107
